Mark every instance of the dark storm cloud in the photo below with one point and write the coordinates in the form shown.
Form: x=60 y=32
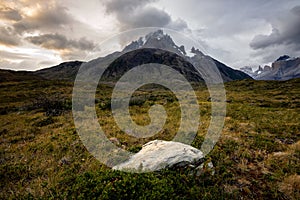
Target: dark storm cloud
x=8 y=37
x=10 y=14
x=135 y=14
x=285 y=32
x=296 y=10
x=148 y=17
x=60 y=42
x=125 y=5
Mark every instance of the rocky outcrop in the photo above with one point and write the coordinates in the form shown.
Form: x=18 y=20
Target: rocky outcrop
x=284 y=68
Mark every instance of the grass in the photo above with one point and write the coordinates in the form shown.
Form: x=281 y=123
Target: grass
x=257 y=156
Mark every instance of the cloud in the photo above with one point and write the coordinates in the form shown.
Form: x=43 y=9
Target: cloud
x=234 y=32
x=8 y=37
x=137 y=14
x=60 y=42
x=10 y=14
x=45 y=17
x=296 y=10
x=5 y=55
x=148 y=17
x=24 y=60
x=125 y=5
x=34 y=33
x=285 y=32
x=178 y=24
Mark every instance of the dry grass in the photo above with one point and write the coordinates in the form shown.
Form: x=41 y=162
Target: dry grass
x=257 y=156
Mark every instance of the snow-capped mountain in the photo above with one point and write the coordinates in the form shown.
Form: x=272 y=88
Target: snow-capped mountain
x=160 y=40
x=284 y=68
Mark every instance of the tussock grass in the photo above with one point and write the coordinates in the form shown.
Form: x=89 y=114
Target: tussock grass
x=257 y=156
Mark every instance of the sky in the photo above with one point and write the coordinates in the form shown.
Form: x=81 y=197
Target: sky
x=36 y=34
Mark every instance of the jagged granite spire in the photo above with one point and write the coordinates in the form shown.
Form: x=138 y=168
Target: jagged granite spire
x=157 y=39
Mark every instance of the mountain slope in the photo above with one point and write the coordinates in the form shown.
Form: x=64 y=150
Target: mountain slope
x=63 y=71
x=150 y=55
x=229 y=74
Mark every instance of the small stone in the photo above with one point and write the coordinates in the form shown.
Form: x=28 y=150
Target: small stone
x=64 y=161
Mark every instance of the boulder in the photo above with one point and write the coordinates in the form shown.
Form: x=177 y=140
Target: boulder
x=159 y=154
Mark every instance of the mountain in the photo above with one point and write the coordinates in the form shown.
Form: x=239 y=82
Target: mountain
x=158 y=47
x=248 y=70
x=147 y=49
x=138 y=57
x=158 y=40
x=284 y=68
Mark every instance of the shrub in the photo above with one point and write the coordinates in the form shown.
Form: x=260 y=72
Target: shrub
x=52 y=106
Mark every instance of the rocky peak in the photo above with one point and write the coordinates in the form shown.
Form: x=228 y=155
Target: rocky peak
x=196 y=51
x=259 y=70
x=157 y=39
x=158 y=35
x=284 y=57
x=134 y=45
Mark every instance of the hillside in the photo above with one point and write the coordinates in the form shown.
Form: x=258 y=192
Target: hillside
x=63 y=71
x=10 y=75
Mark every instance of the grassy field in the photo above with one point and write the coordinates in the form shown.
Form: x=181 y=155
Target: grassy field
x=257 y=156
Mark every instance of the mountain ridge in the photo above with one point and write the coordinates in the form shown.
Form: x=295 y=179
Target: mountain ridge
x=283 y=68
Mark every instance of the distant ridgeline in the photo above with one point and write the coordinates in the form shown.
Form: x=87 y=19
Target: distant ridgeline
x=284 y=68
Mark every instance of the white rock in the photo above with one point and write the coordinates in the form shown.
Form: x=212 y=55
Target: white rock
x=159 y=154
